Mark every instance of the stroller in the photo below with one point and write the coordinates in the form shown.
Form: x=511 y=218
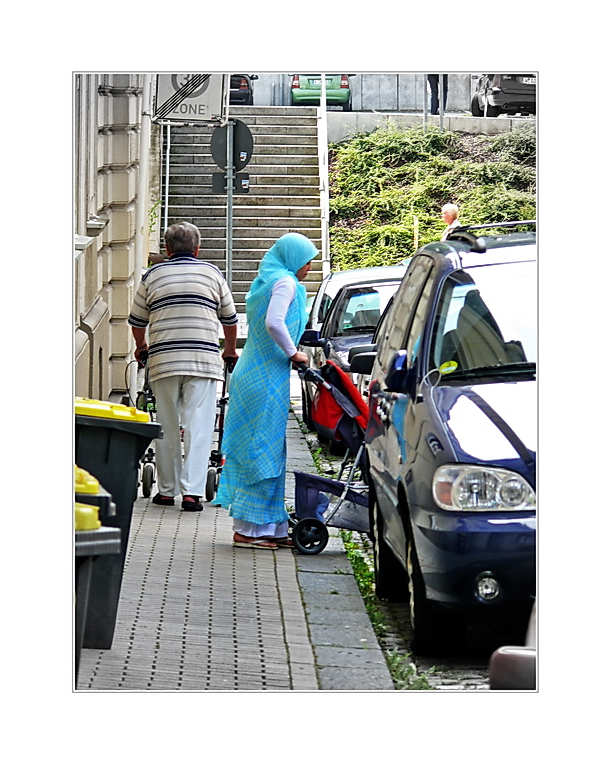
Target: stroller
x=339 y=414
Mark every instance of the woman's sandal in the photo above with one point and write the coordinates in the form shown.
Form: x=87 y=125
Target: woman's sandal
x=284 y=542
x=191 y=503
x=253 y=542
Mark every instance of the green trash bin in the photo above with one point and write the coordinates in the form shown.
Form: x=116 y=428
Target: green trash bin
x=91 y=540
x=110 y=440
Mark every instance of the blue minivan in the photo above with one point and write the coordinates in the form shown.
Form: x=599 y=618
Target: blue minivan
x=451 y=440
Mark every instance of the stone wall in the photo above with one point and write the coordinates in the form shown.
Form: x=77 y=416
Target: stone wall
x=398 y=91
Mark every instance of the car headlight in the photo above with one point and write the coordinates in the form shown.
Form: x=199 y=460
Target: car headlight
x=475 y=488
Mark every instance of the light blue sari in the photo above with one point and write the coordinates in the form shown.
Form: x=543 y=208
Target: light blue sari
x=252 y=481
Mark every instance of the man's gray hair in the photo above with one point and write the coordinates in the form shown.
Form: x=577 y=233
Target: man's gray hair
x=451 y=209
x=182 y=237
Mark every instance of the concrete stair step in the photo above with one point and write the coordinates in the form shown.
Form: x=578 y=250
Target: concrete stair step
x=255 y=232
x=248 y=260
x=277 y=179
x=258 y=199
x=259 y=224
x=296 y=195
x=306 y=216
x=250 y=244
x=191 y=174
x=283 y=111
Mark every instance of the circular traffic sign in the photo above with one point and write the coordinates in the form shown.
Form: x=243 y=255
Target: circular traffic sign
x=243 y=144
x=178 y=80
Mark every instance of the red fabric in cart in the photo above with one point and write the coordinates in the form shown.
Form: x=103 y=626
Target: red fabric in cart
x=327 y=412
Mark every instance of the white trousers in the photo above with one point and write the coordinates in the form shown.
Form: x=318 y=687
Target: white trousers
x=190 y=401
x=248 y=529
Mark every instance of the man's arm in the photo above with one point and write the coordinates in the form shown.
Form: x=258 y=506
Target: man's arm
x=139 y=334
x=230 y=332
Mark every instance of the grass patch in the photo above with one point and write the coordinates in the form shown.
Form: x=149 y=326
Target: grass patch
x=405 y=675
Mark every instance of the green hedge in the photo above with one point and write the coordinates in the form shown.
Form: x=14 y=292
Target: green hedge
x=387 y=188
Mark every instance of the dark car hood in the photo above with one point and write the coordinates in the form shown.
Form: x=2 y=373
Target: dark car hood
x=494 y=424
x=343 y=345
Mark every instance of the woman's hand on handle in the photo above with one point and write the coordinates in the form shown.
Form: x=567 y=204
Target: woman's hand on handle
x=298 y=358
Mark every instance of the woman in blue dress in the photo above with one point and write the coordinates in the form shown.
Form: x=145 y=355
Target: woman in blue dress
x=252 y=481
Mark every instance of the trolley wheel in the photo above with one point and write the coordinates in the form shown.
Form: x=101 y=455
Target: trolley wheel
x=148 y=478
x=310 y=536
x=211 y=484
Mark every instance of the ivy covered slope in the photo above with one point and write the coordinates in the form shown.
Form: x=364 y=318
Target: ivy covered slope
x=387 y=188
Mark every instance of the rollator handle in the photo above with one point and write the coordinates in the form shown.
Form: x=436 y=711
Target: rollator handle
x=311 y=375
x=143 y=359
x=230 y=362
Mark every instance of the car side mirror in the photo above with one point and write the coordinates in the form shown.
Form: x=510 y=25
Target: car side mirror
x=400 y=376
x=311 y=339
x=254 y=76
x=357 y=349
x=362 y=363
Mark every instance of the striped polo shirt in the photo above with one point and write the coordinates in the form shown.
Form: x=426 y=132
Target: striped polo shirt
x=182 y=301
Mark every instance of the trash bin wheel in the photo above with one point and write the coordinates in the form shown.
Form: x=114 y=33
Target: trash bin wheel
x=148 y=478
x=211 y=484
x=310 y=536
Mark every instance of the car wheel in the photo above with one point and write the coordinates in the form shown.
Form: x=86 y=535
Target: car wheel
x=424 y=630
x=490 y=111
x=390 y=580
x=348 y=106
x=475 y=107
x=337 y=448
x=432 y=631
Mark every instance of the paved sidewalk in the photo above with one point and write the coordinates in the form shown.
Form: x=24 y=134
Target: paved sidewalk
x=198 y=614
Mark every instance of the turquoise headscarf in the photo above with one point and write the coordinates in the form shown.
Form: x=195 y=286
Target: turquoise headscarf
x=290 y=253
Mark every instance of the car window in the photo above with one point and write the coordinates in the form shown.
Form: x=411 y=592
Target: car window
x=413 y=343
x=324 y=306
x=486 y=317
x=404 y=302
x=362 y=308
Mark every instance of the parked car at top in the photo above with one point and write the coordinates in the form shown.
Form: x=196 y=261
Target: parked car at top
x=504 y=94
x=351 y=319
x=452 y=434
x=240 y=91
x=305 y=90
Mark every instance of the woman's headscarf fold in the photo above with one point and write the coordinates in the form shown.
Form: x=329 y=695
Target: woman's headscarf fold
x=289 y=254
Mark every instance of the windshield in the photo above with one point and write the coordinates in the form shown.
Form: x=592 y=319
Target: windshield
x=362 y=309
x=486 y=318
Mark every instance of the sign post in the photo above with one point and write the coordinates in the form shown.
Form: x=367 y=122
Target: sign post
x=231 y=147
x=229 y=177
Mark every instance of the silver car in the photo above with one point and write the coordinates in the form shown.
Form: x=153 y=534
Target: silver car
x=327 y=291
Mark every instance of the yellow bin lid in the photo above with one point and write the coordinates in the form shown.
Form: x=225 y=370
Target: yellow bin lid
x=86 y=517
x=93 y=408
x=84 y=482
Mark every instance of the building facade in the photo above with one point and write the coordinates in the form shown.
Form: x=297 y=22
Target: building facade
x=113 y=213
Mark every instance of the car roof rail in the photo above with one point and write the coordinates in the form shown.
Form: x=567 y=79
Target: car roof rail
x=477 y=243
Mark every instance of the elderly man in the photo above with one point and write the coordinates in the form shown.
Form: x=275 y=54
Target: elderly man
x=182 y=301
x=449 y=214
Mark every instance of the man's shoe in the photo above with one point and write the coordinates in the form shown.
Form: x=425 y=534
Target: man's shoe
x=192 y=503
x=159 y=499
